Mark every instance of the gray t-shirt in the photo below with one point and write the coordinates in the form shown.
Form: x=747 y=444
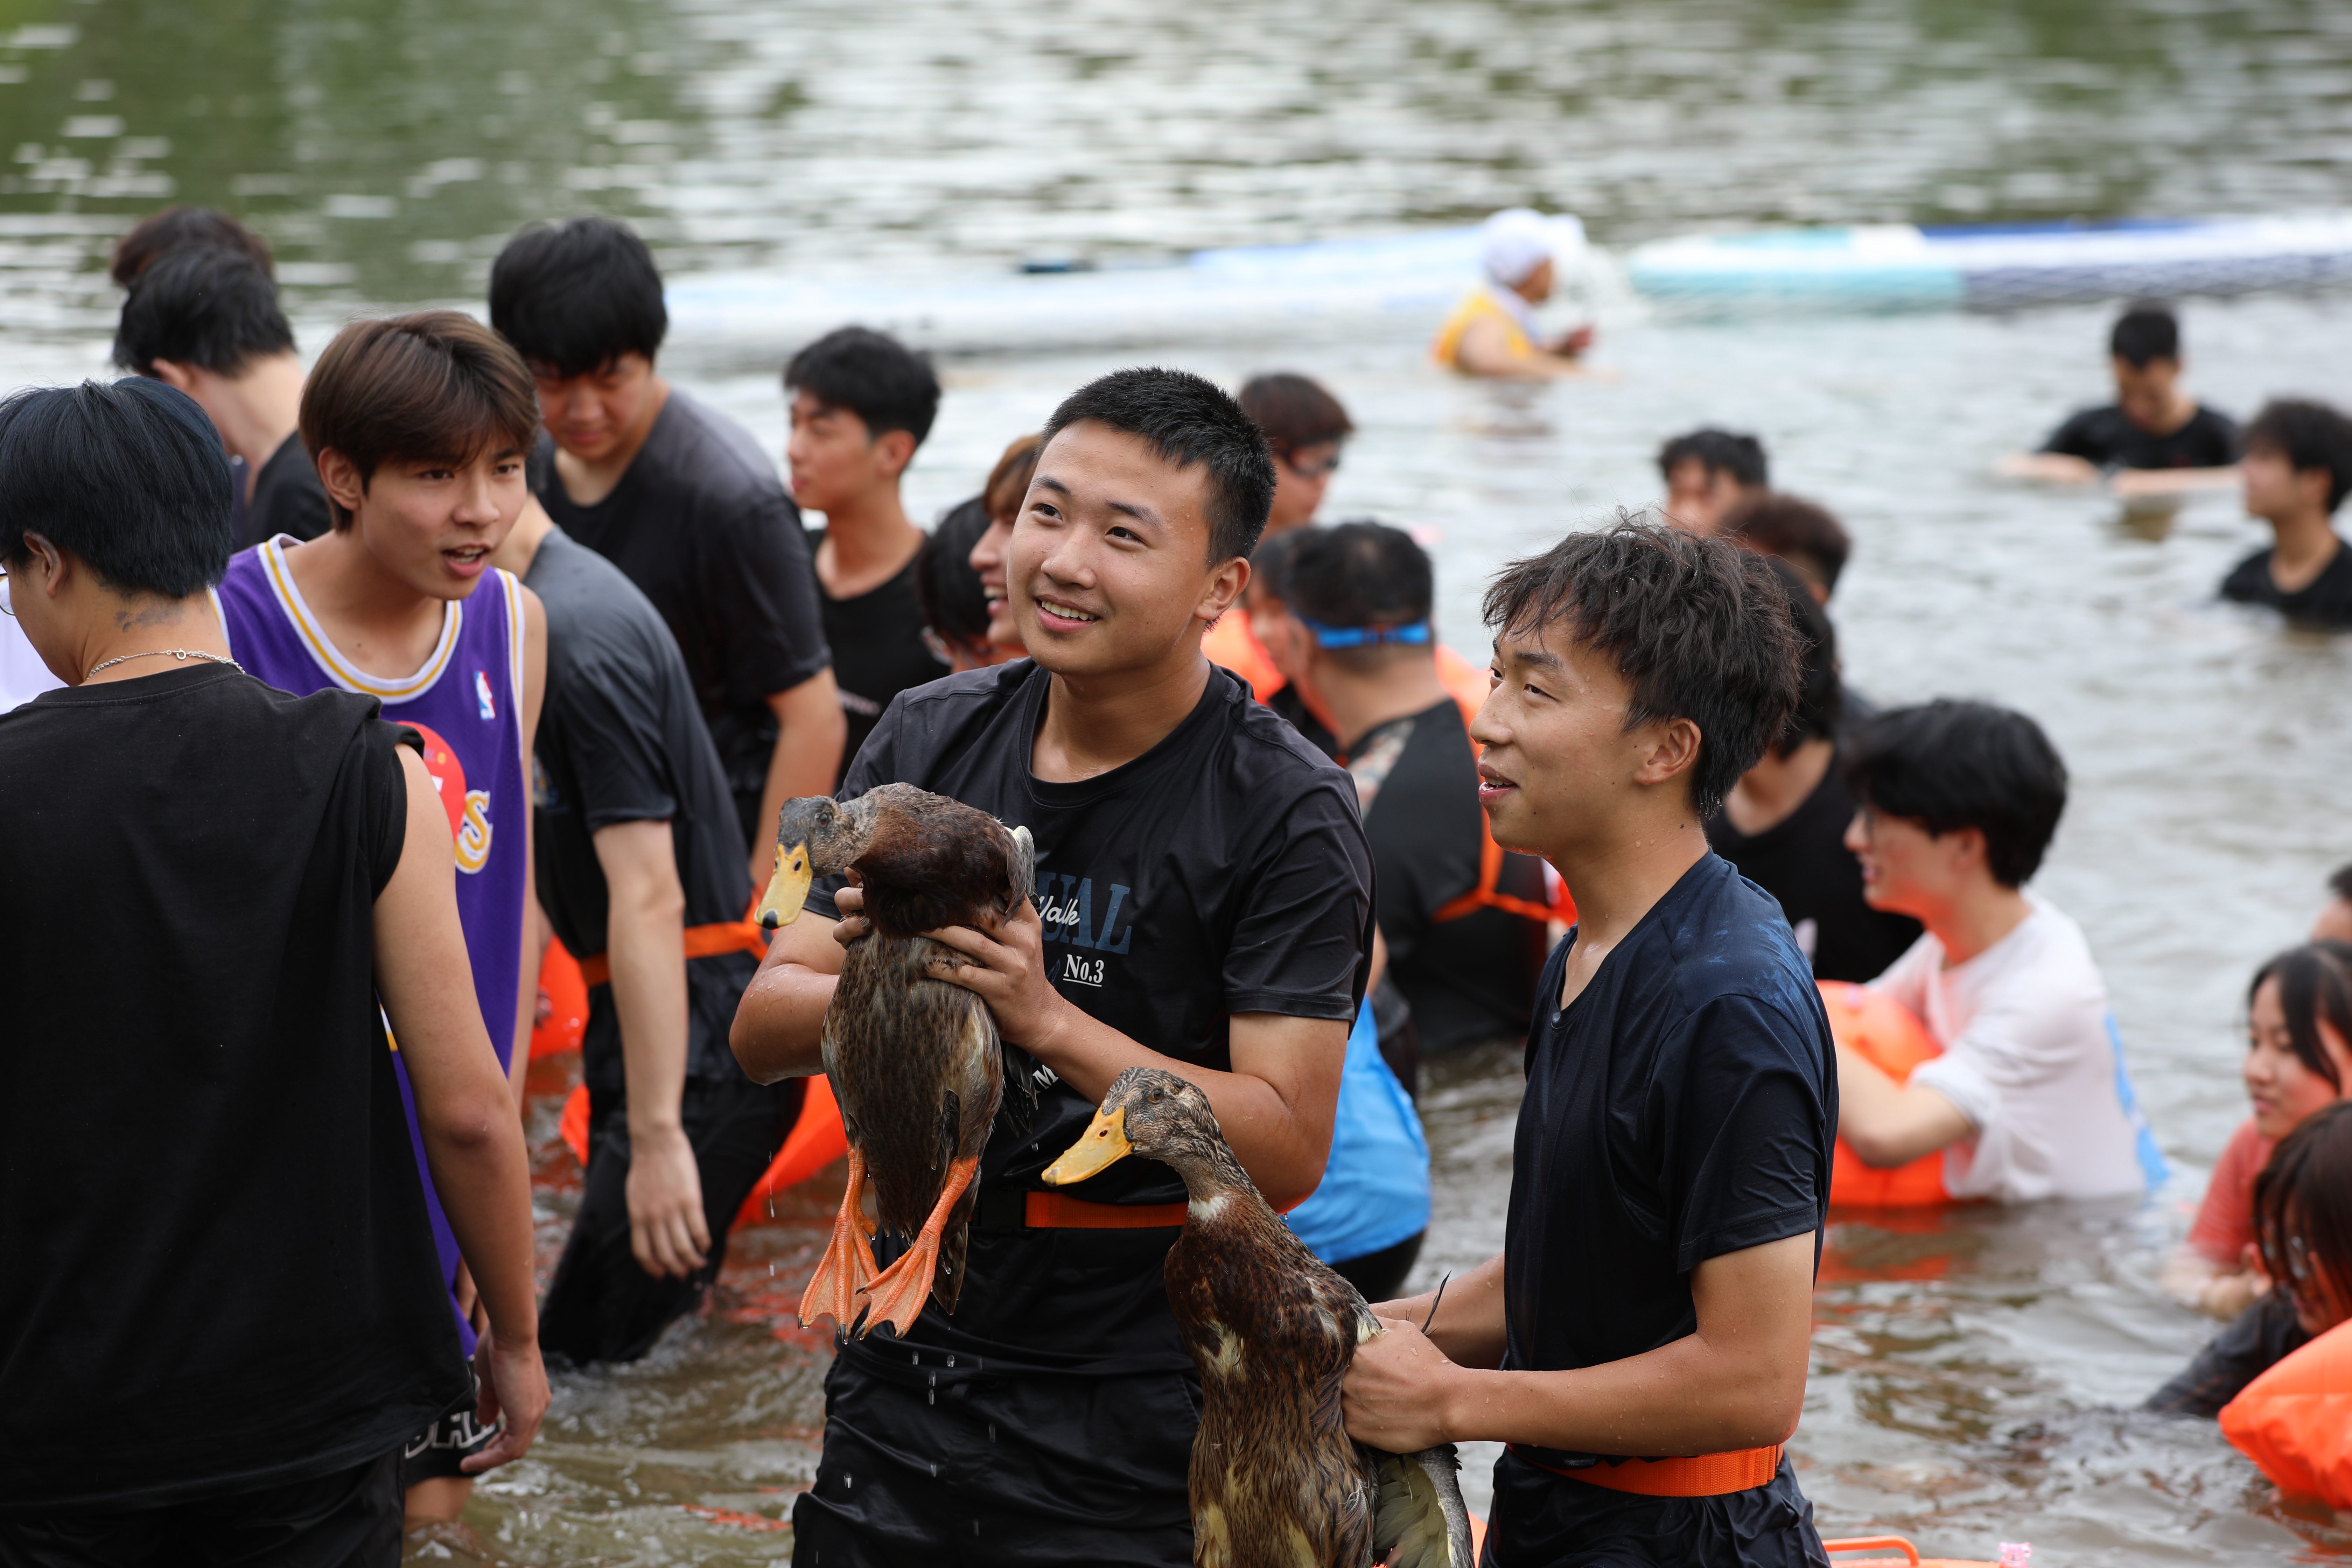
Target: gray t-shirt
x=621 y=739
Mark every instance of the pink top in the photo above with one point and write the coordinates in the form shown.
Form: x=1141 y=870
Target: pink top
x=2225 y=1221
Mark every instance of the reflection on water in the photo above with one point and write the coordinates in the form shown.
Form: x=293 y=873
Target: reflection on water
x=1969 y=1369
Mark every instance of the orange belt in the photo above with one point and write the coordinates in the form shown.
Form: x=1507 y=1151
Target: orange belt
x=701 y=942
x=1059 y=1211
x=1700 y=1475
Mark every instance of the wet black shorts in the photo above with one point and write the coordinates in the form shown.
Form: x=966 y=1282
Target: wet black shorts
x=434 y=1453
x=1544 y=1521
x=350 y=1519
x=1028 y=1470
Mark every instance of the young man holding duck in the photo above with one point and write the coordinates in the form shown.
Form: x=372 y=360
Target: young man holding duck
x=1205 y=893
x=1642 y=1342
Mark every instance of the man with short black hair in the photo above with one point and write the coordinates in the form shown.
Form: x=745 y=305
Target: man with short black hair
x=1956 y=804
x=205 y=319
x=1671 y=1176
x=1206 y=898
x=2298 y=469
x=682 y=499
x=862 y=403
x=1708 y=472
x=2153 y=424
x=220 y=1321
x=179 y=227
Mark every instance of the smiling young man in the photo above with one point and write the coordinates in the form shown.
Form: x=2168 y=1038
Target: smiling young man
x=683 y=501
x=861 y=405
x=420 y=427
x=1205 y=895
x=1642 y=1342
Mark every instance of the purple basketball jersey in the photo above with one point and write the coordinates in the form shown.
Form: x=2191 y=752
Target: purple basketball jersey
x=466 y=701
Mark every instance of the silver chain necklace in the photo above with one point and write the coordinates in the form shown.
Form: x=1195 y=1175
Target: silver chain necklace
x=182 y=653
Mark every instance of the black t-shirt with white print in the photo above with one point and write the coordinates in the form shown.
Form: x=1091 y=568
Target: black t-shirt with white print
x=1222 y=871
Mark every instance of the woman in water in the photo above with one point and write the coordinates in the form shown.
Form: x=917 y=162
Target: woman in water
x=2298 y=1062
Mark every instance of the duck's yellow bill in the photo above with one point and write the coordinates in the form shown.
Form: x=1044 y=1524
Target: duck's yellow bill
x=1102 y=1145
x=781 y=906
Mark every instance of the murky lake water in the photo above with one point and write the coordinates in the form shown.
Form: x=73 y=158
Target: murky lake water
x=1968 y=1372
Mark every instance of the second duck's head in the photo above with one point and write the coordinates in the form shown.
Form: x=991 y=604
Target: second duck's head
x=1149 y=1113
x=814 y=837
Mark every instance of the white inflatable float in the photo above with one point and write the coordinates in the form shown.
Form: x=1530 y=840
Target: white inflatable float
x=1290 y=292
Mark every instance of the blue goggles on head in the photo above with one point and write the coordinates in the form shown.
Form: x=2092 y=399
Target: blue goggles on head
x=1415 y=635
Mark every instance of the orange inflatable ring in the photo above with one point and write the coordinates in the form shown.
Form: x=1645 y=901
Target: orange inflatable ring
x=1905 y=1554
x=567 y=997
x=815 y=1142
x=1886 y=1032
x=2295 y=1420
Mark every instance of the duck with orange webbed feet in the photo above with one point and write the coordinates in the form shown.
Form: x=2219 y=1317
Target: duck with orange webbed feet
x=915 y=1062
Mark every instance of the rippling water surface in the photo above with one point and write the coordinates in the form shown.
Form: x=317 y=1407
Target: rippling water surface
x=1970 y=1374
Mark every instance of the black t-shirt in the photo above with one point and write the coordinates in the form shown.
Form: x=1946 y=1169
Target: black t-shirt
x=1682 y=1107
x=287 y=496
x=1803 y=862
x=1222 y=871
x=621 y=740
x=2107 y=437
x=1471 y=978
x=219 y=1274
x=701 y=523
x=2326 y=600
x=878 y=648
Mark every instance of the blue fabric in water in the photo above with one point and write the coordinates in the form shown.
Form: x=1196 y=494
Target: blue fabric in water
x=1375 y=1190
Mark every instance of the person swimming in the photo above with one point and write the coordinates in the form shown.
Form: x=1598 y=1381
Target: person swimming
x=1494 y=330
x=2154 y=438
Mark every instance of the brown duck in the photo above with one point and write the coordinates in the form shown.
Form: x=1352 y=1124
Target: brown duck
x=1275 y=1478
x=914 y=1061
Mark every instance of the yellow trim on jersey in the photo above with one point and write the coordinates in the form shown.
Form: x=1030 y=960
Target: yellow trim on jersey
x=1477 y=304
x=341 y=671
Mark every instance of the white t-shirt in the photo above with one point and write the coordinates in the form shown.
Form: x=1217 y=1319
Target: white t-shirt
x=2031 y=1057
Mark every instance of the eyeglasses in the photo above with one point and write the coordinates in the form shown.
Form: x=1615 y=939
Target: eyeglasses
x=1322 y=470
x=6 y=607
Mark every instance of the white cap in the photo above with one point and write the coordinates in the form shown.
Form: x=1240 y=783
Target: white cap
x=1514 y=243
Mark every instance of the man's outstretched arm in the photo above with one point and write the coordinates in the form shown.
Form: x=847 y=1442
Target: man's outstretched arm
x=1739 y=1381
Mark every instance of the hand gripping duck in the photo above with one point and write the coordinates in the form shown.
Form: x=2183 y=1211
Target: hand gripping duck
x=915 y=1062
x=1275 y=1478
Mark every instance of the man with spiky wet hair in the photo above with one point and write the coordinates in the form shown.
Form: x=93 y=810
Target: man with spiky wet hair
x=1640 y=1342
x=1204 y=904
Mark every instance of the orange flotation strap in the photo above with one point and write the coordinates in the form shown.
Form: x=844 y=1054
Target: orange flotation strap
x=1696 y=1475
x=1468 y=685
x=1232 y=643
x=566 y=995
x=1905 y=1554
x=1885 y=1033
x=2295 y=1420
x=817 y=1141
x=701 y=942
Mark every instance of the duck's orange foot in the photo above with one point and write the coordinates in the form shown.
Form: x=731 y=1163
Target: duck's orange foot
x=895 y=1296
x=847 y=1267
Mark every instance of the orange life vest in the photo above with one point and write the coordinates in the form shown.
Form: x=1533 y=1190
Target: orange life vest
x=2295 y=1420
x=1886 y=1034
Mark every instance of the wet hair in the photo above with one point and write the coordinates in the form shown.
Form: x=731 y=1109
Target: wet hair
x=436 y=386
x=1270 y=564
x=2315 y=984
x=2302 y=1210
x=1950 y=764
x=2309 y=435
x=1698 y=628
x=1795 y=529
x=1719 y=452
x=181 y=228
x=201 y=306
x=1820 y=695
x=1187 y=420
x=945 y=584
x=575 y=297
x=1361 y=573
x=127 y=478
x=872 y=376
x=2145 y=333
x=1294 y=412
x=1009 y=480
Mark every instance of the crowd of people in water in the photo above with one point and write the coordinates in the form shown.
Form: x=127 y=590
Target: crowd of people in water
x=274 y=632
